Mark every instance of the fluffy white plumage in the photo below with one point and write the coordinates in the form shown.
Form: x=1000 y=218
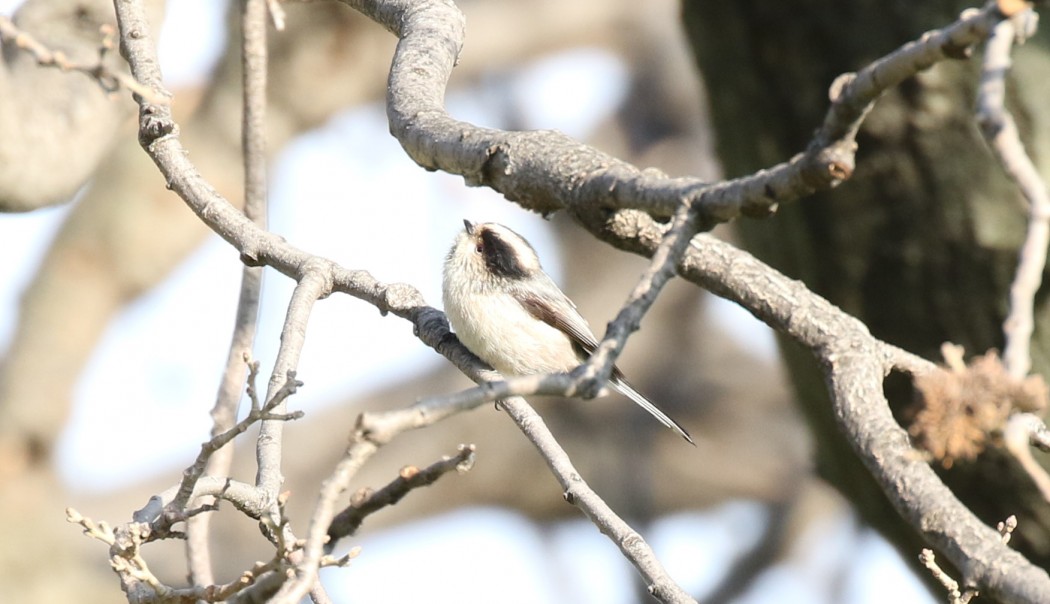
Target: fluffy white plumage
x=506 y=310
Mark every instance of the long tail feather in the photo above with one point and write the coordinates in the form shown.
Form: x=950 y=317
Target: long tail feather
x=624 y=388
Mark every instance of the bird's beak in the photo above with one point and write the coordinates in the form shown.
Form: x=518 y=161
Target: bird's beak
x=469 y=226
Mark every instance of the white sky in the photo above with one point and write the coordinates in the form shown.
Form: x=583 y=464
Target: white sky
x=186 y=336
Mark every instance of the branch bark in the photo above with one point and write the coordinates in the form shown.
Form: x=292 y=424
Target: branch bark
x=253 y=145
x=854 y=362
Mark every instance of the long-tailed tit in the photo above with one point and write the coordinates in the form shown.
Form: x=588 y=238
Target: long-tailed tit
x=506 y=310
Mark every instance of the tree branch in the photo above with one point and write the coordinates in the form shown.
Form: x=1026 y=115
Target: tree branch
x=254 y=74
x=662 y=268
x=367 y=502
x=321 y=522
x=1000 y=131
x=855 y=364
x=311 y=288
x=569 y=175
x=186 y=491
x=546 y=171
x=109 y=80
x=577 y=492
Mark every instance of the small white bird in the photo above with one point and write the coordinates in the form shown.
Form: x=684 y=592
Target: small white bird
x=507 y=311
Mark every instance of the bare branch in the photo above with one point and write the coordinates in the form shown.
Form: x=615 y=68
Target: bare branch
x=1001 y=133
x=311 y=288
x=375 y=429
x=1038 y=433
x=224 y=415
x=579 y=493
x=135 y=573
x=661 y=268
x=321 y=522
x=367 y=502
x=381 y=428
x=955 y=595
x=305 y=578
x=171 y=506
x=276 y=13
x=317 y=277
x=851 y=360
x=111 y=81
x=253 y=125
x=243 y=496
x=573 y=176
x=1019 y=434
x=546 y=171
x=264 y=413
x=563 y=175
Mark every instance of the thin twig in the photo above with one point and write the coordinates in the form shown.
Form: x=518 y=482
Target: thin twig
x=561 y=177
x=321 y=521
x=1020 y=432
x=955 y=594
x=111 y=81
x=577 y=492
x=661 y=269
x=1000 y=131
x=277 y=16
x=347 y=522
x=164 y=510
x=125 y=543
x=243 y=495
x=383 y=427
x=263 y=413
x=253 y=124
x=311 y=288
x=1035 y=428
x=224 y=416
x=306 y=568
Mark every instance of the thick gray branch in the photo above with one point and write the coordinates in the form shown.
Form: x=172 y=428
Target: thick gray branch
x=855 y=364
x=546 y=171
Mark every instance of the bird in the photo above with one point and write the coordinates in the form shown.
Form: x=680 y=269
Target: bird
x=506 y=310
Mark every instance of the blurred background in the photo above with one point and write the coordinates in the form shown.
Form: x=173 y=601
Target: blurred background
x=116 y=309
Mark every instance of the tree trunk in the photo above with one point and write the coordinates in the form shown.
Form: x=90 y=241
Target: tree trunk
x=921 y=244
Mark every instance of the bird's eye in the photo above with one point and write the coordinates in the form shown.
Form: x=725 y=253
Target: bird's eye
x=479 y=248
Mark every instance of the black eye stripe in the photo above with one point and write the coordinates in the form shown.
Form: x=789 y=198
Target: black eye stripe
x=500 y=257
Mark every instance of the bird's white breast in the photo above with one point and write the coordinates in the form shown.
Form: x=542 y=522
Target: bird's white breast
x=502 y=333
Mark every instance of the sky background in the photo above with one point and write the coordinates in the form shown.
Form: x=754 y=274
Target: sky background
x=175 y=383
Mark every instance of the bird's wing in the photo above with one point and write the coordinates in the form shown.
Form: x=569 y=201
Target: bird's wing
x=560 y=313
